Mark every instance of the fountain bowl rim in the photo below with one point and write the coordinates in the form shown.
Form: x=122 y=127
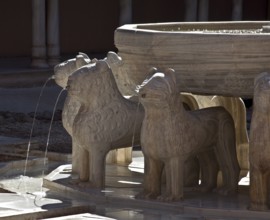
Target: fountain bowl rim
x=156 y=28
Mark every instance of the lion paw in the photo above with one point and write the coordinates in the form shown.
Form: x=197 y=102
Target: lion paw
x=203 y=189
x=82 y=184
x=258 y=207
x=169 y=198
x=146 y=195
x=226 y=191
x=85 y=184
x=74 y=181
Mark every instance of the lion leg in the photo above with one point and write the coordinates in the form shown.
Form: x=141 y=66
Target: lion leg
x=174 y=179
x=97 y=167
x=83 y=157
x=227 y=158
x=75 y=158
x=258 y=190
x=191 y=172
x=209 y=171
x=152 y=179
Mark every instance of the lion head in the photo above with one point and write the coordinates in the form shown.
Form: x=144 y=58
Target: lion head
x=159 y=89
x=92 y=83
x=262 y=92
x=63 y=70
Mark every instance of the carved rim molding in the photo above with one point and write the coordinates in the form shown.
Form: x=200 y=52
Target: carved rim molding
x=215 y=58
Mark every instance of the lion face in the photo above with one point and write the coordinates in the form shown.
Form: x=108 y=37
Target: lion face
x=159 y=89
x=262 y=92
x=89 y=82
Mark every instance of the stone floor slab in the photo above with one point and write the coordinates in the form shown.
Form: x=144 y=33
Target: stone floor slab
x=123 y=183
x=56 y=196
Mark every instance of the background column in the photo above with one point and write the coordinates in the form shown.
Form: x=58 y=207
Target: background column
x=237 y=10
x=191 y=10
x=125 y=12
x=53 y=48
x=203 y=10
x=38 y=34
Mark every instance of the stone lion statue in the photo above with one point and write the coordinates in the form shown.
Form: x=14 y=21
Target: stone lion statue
x=62 y=72
x=170 y=135
x=71 y=106
x=259 y=150
x=65 y=69
x=105 y=120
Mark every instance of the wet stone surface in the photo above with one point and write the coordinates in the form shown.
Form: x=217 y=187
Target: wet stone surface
x=19 y=125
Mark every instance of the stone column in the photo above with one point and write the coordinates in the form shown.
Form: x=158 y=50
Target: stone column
x=268 y=10
x=237 y=10
x=191 y=10
x=125 y=12
x=203 y=10
x=38 y=34
x=53 y=48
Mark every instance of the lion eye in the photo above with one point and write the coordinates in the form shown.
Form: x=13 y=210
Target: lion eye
x=143 y=95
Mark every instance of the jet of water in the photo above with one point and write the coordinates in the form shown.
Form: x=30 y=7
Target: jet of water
x=49 y=134
x=32 y=129
x=33 y=124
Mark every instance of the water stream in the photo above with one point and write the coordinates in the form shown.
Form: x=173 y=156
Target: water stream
x=40 y=193
x=33 y=124
x=22 y=178
x=49 y=134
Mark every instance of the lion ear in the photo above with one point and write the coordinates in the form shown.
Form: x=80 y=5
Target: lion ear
x=84 y=55
x=151 y=72
x=260 y=77
x=113 y=58
x=102 y=65
x=170 y=76
x=82 y=59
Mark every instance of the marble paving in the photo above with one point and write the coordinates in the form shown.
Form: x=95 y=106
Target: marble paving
x=124 y=182
x=56 y=197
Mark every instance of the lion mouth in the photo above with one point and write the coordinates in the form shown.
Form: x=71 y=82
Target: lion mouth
x=72 y=91
x=144 y=98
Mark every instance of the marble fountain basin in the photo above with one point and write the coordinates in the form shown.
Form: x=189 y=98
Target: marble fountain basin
x=220 y=58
